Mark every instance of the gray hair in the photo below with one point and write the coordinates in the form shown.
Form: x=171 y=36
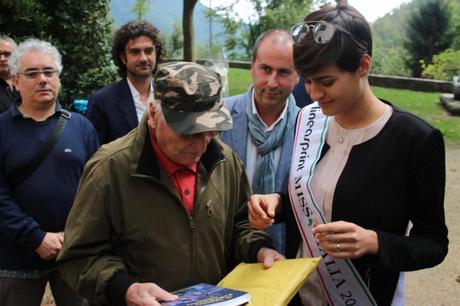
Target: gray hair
x=7 y=39
x=34 y=45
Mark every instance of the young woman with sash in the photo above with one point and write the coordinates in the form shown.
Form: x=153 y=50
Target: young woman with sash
x=367 y=178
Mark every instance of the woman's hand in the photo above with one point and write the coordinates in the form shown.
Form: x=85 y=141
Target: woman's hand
x=346 y=240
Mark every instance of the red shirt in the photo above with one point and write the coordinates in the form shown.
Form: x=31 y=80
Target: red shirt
x=182 y=177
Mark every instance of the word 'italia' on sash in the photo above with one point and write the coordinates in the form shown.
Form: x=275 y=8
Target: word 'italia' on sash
x=339 y=279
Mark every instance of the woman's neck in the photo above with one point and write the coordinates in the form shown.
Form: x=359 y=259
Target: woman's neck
x=363 y=113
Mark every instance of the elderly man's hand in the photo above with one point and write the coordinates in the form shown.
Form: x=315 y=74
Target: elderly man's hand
x=50 y=245
x=262 y=209
x=147 y=294
x=268 y=257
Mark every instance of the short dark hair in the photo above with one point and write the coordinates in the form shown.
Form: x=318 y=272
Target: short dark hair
x=265 y=35
x=132 y=30
x=342 y=50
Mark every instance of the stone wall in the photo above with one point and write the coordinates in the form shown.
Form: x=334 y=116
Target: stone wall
x=389 y=81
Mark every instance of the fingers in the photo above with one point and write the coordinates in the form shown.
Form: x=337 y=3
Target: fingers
x=261 y=210
x=161 y=294
x=147 y=294
x=346 y=240
x=268 y=256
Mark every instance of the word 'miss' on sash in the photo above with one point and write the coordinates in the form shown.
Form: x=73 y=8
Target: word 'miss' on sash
x=339 y=279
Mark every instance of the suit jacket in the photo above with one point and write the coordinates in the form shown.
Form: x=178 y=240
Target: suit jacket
x=7 y=96
x=112 y=112
x=236 y=138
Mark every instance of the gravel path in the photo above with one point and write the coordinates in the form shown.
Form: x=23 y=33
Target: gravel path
x=440 y=286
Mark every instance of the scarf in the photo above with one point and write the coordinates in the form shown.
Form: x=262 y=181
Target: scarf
x=263 y=181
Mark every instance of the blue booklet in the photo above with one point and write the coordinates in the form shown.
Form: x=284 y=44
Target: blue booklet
x=205 y=294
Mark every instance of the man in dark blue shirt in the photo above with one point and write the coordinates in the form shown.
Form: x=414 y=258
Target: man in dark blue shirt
x=33 y=211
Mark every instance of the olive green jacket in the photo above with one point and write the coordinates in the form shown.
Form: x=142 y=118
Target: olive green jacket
x=129 y=224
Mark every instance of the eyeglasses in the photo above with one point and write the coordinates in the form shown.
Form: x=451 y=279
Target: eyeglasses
x=5 y=53
x=322 y=32
x=137 y=51
x=35 y=73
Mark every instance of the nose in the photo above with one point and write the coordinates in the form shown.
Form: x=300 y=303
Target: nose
x=272 y=80
x=41 y=77
x=142 y=55
x=315 y=91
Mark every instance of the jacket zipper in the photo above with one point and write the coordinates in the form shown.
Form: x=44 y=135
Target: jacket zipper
x=368 y=277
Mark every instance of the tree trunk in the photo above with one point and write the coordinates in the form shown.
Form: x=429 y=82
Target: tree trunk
x=187 y=28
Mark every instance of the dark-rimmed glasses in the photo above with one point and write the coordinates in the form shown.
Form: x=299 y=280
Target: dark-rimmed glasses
x=322 y=32
x=35 y=73
x=5 y=53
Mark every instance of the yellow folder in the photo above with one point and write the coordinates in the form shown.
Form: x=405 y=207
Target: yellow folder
x=275 y=286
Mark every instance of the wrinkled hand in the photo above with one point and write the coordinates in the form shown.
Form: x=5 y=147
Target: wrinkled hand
x=50 y=245
x=268 y=257
x=147 y=294
x=262 y=209
x=346 y=240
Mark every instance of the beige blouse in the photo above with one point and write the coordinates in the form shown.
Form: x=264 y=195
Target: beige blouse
x=324 y=181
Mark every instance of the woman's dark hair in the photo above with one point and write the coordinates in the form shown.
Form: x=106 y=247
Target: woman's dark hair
x=342 y=50
x=132 y=30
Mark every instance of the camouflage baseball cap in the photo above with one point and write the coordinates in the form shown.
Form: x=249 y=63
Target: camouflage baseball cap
x=190 y=99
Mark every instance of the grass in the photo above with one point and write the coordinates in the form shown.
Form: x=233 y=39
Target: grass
x=424 y=104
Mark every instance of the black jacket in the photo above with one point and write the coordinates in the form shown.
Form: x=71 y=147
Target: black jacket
x=396 y=177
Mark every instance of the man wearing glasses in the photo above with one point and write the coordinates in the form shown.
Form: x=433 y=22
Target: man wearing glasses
x=7 y=92
x=36 y=193
x=117 y=108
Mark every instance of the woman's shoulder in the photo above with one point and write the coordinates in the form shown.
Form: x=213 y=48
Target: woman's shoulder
x=404 y=120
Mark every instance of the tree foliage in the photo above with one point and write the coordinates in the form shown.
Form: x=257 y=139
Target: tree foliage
x=269 y=14
x=427 y=33
x=79 y=29
x=445 y=66
x=140 y=8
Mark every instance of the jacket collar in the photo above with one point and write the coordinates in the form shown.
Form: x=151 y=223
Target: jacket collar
x=144 y=160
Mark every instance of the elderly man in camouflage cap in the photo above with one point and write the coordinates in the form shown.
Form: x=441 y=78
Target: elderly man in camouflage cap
x=165 y=206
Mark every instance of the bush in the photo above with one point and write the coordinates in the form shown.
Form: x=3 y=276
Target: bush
x=445 y=66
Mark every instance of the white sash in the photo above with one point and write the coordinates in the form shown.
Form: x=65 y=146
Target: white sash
x=341 y=282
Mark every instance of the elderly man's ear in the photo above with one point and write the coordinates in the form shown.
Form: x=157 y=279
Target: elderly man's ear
x=153 y=114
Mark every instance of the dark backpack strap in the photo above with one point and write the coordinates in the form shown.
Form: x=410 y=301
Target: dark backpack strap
x=23 y=172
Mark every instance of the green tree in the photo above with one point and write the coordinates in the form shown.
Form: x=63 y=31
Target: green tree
x=269 y=14
x=427 y=33
x=174 y=42
x=140 y=8
x=445 y=66
x=80 y=30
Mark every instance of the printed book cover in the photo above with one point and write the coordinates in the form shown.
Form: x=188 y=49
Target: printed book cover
x=205 y=294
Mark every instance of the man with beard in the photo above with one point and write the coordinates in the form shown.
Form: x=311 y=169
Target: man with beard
x=117 y=108
x=264 y=119
x=7 y=92
x=36 y=193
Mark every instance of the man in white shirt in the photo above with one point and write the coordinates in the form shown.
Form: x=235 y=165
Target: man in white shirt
x=117 y=108
x=264 y=119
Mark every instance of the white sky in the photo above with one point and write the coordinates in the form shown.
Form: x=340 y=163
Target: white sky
x=370 y=9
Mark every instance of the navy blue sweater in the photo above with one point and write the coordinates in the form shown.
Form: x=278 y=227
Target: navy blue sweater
x=42 y=202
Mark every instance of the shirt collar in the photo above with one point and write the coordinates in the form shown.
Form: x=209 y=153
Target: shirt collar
x=15 y=112
x=134 y=91
x=165 y=162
